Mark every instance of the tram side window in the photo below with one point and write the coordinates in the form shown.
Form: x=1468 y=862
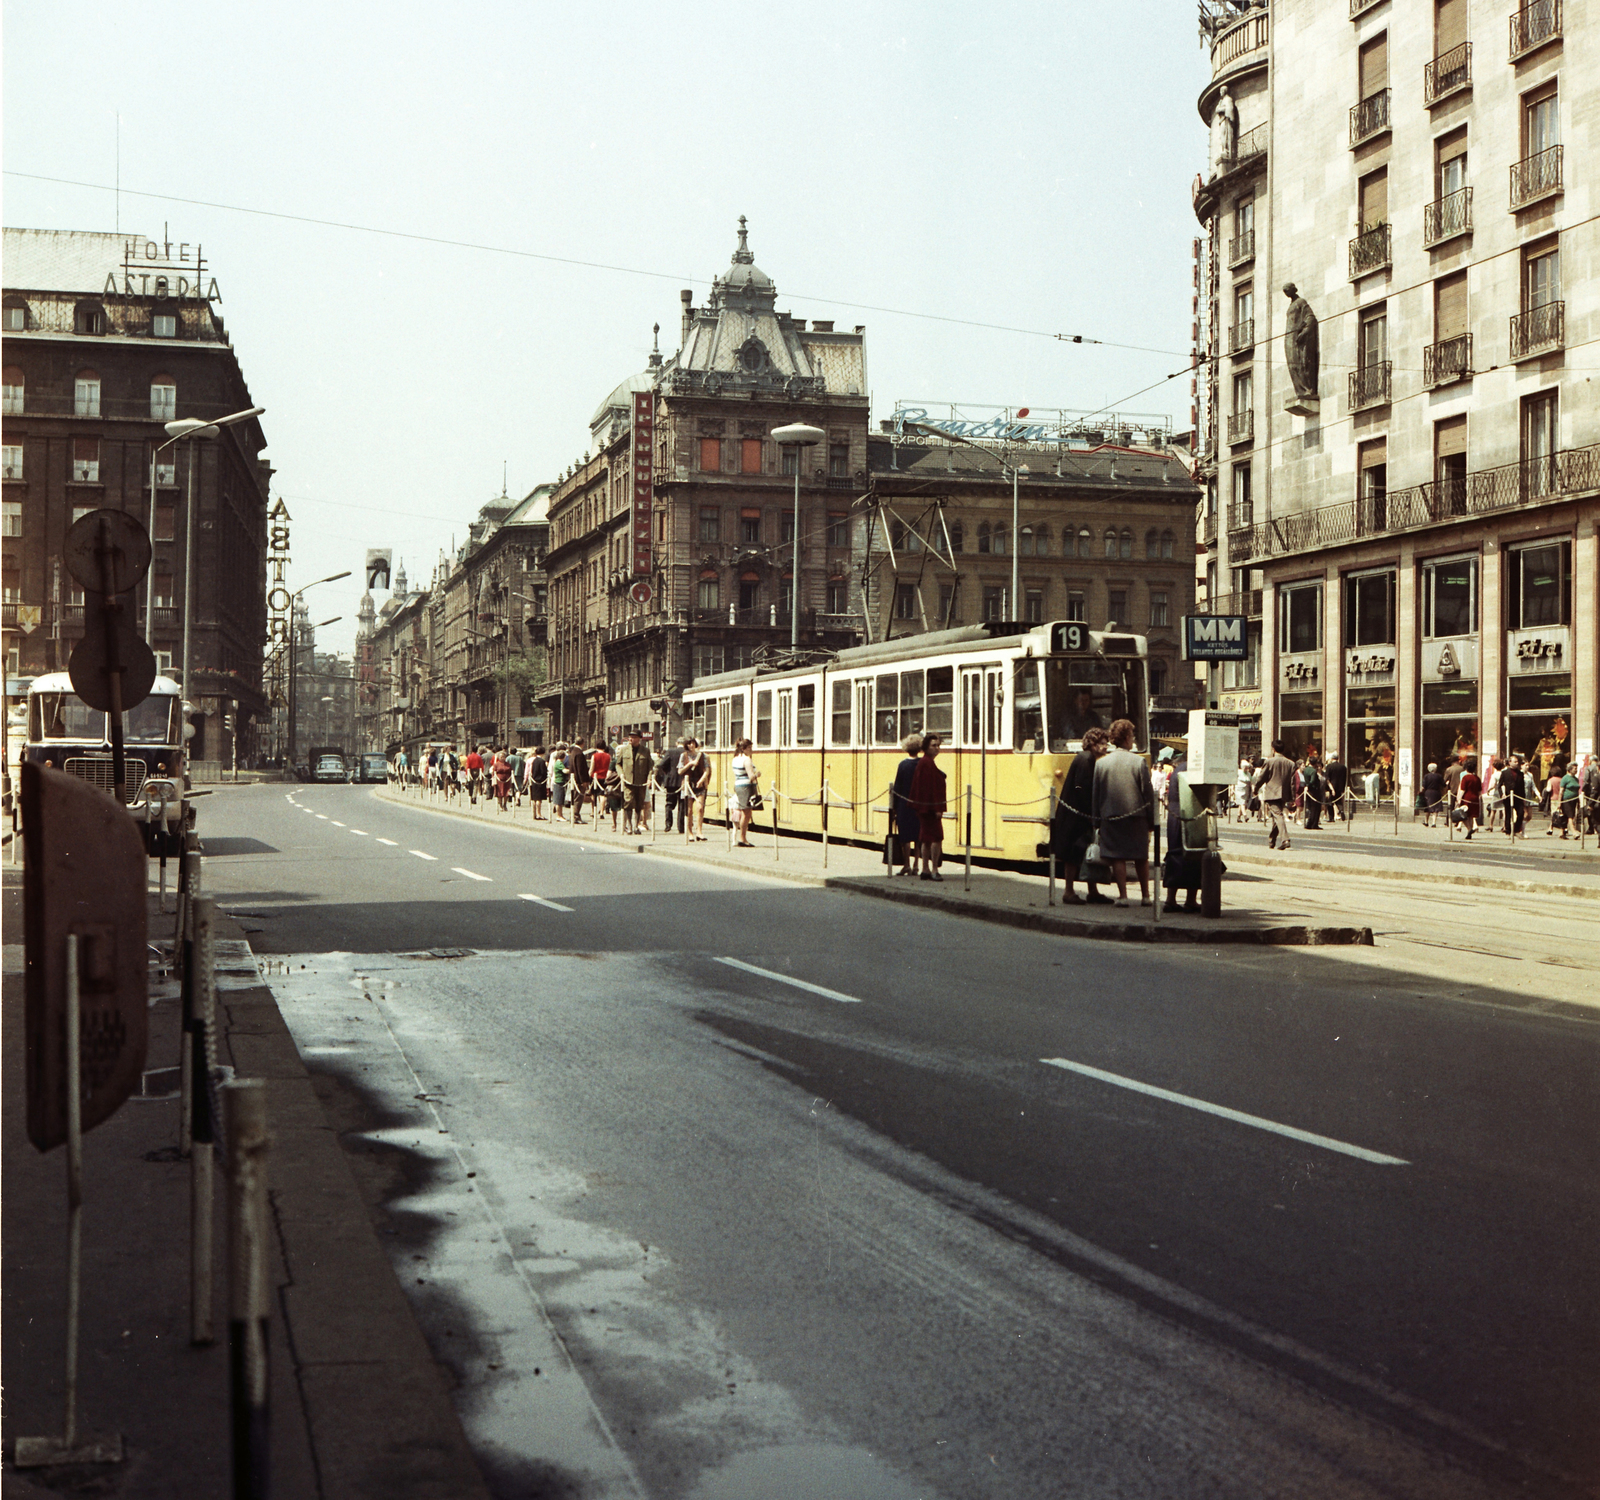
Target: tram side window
x=912 y=720
x=1028 y=704
x=886 y=723
x=764 y=717
x=841 y=713
x=941 y=699
x=736 y=719
x=805 y=725
x=709 y=738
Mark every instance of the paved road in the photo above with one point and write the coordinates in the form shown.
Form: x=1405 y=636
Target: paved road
x=939 y=1208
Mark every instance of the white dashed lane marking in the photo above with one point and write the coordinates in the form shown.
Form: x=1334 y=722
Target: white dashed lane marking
x=457 y=870
x=336 y=823
x=1326 y=1142
x=799 y=984
x=390 y=842
x=360 y=833
x=323 y=816
x=540 y=901
x=421 y=855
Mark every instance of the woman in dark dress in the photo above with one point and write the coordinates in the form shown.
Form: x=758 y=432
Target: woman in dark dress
x=1072 y=827
x=1432 y=794
x=928 y=802
x=1469 y=795
x=905 y=815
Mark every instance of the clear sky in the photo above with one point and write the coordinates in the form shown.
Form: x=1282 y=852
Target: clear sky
x=1021 y=165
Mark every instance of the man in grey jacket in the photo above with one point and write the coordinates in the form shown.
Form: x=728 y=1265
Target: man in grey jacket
x=1274 y=783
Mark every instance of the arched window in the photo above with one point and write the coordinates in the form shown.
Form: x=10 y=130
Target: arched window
x=1041 y=541
x=1111 y=542
x=163 y=398
x=1127 y=543
x=983 y=536
x=1167 y=541
x=86 y=394
x=14 y=391
x=1152 y=545
x=1085 y=542
x=958 y=537
x=708 y=595
x=1025 y=541
x=999 y=538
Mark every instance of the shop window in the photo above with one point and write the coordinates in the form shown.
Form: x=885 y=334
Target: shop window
x=1449 y=597
x=1369 y=609
x=1539 y=585
x=1300 y=618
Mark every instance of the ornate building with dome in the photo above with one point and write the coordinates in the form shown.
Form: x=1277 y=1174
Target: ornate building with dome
x=724 y=559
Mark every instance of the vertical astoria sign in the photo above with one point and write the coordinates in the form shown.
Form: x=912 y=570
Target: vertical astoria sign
x=644 y=440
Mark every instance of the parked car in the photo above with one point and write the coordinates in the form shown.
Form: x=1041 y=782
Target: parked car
x=330 y=768
x=372 y=767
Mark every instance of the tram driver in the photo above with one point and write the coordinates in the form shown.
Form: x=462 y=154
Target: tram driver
x=1081 y=717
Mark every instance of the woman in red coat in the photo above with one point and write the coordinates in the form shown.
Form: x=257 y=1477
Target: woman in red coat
x=1469 y=794
x=928 y=802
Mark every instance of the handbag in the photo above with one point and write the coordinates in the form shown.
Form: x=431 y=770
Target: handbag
x=756 y=800
x=1094 y=869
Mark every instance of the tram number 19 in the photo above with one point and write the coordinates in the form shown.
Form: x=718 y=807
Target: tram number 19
x=1069 y=635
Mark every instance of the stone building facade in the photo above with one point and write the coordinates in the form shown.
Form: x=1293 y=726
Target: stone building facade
x=1422 y=531
x=107 y=337
x=723 y=552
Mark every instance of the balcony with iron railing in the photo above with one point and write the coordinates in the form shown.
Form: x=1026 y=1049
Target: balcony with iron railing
x=1245 y=602
x=1534 y=481
x=1447 y=217
x=1369 y=118
x=1447 y=74
x=1370 y=251
x=1539 y=330
x=1535 y=177
x=1241 y=517
x=1370 y=384
x=1208 y=528
x=1241 y=426
x=1533 y=26
x=1447 y=361
x=1242 y=335
x=1242 y=248
x=1241 y=45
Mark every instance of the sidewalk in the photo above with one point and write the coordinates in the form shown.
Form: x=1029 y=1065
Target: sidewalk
x=1003 y=896
x=359 y=1409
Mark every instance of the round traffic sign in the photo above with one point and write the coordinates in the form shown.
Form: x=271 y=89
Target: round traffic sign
x=641 y=593
x=107 y=537
x=90 y=662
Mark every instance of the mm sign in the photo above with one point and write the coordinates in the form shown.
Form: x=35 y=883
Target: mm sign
x=1216 y=638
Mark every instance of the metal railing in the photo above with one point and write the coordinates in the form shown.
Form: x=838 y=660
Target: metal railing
x=1251 y=144
x=1446 y=217
x=1247 y=602
x=1534 y=25
x=1370 y=117
x=1242 y=248
x=1369 y=385
x=1447 y=73
x=1535 y=177
x=1447 y=361
x=1250 y=35
x=1361 y=7
x=1369 y=251
x=1241 y=517
x=1242 y=335
x=1552 y=477
x=1538 y=330
x=1241 y=426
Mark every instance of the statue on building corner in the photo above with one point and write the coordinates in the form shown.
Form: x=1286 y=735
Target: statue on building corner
x=1224 y=134
x=1301 y=347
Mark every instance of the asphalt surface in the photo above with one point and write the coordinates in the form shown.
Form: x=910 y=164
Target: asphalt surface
x=906 y=1204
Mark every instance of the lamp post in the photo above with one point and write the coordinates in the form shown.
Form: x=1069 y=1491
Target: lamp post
x=331 y=578
x=798 y=436
x=187 y=427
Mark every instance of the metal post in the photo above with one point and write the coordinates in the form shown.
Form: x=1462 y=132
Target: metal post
x=794 y=589
x=186 y=954
x=1051 y=899
x=967 y=884
x=188 y=571
x=202 y=1131
x=245 y=1108
x=824 y=816
x=149 y=583
x=1016 y=546
x=774 y=822
x=1155 y=864
x=74 y=1020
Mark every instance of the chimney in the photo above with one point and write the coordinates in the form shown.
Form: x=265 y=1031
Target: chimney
x=819 y=326
x=687 y=298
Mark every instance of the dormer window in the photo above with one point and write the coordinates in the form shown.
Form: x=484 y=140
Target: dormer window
x=89 y=317
x=16 y=315
x=164 y=325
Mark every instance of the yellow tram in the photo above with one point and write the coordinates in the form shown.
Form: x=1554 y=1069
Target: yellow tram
x=1010 y=701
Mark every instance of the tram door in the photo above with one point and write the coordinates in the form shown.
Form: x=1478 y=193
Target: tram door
x=982 y=718
x=861 y=759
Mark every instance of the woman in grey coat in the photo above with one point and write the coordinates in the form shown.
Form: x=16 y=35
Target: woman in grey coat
x=1124 y=811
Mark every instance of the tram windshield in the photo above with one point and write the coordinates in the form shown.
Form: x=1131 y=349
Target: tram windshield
x=1086 y=692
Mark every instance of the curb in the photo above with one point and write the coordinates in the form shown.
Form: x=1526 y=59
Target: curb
x=1030 y=920
x=1426 y=877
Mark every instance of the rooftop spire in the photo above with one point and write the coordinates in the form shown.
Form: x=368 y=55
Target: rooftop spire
x=742 y=256
x=655 y=351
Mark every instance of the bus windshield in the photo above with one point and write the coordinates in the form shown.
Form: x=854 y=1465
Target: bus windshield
x=1086 y=692
x=150 y=722
x=65 y=716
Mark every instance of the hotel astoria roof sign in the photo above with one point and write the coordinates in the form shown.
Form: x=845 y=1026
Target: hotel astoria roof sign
x=162 y=268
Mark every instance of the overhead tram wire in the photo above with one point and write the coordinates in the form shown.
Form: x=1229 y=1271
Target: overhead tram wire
x=567 y=260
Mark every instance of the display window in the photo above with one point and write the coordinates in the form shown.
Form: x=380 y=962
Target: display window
x=1300 y=722
x=1540 y=719
x=1369 y=734
x=1449 y=722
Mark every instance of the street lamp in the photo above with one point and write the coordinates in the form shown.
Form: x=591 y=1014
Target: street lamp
x=186 y=427
x=798 y=436
x=331 y=578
